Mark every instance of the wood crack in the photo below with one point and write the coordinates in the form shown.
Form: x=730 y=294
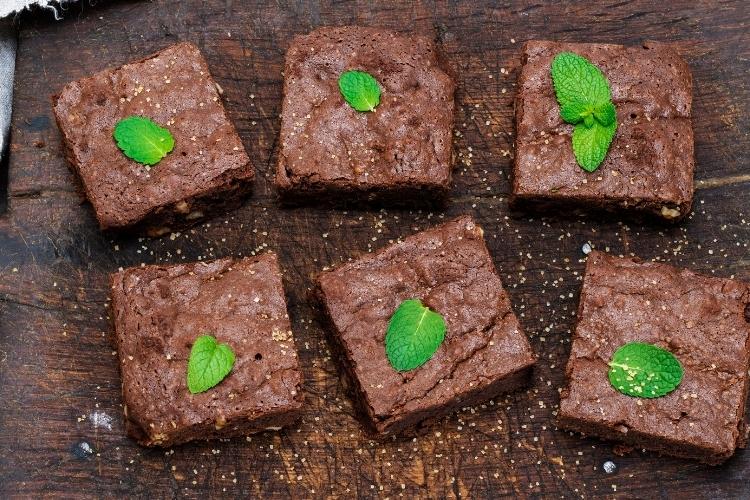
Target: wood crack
x=8 y=299
x=715 y=182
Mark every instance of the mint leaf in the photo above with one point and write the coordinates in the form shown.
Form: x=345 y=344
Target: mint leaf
x=577 y=80
x=360 y=89
x=209 y=363
x=576 y=111
x=142 y=140
x=644 y=370
x=585 y=101
x=606 y=114
x=414 y=334
x=591 y=143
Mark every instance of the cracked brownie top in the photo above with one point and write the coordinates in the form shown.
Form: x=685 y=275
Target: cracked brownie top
x=325 y=144
x=174 y=89
x=450 y=270
x=160 y=310
x=702 y=320
x=650 y=163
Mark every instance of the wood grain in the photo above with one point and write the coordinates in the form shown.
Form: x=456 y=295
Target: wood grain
x=61 y=429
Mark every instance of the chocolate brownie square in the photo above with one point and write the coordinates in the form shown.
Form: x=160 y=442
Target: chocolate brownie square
x=649 y=166
x=701 y=320
x=207 y=170
x=160 y=310
x=399 y=153
x=449 y=269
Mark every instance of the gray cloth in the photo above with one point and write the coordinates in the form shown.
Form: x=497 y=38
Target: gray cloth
x=8 y=7
x=7 y=67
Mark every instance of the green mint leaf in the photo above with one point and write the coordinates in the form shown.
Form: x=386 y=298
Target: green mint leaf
x=591 y=143
x=360 y=89
x=209 y=363
x=606 y=114
x=584 y=96
x=577 y=80
x=142 y=140
x=576 y=111
x=414 y=334
x=644 y=370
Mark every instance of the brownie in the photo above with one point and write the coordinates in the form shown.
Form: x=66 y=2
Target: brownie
x=158 y=313
x=649 y=167
x=400 y=153
x=702 y=320
x=449 y=269
x=207 y=171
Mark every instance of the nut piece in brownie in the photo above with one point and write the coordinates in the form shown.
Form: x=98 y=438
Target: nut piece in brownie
x=449 y=269
x=649 y=166
x=398 y=153
x=701 y=320
x=207 y=170
x=159 y=311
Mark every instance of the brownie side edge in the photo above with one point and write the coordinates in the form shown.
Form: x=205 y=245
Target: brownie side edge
x=341 y=195
x=419 y=421
x=742 y=426
x=187 y=212
x=579 y=206
x=637 y=439
x=351 y=384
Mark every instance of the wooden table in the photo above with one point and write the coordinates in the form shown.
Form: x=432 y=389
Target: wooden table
x=61 y=428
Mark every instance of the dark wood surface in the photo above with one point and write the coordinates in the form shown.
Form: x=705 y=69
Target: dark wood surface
x=61 y=428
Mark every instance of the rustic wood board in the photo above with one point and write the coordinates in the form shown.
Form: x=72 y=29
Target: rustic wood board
x=61 y=429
